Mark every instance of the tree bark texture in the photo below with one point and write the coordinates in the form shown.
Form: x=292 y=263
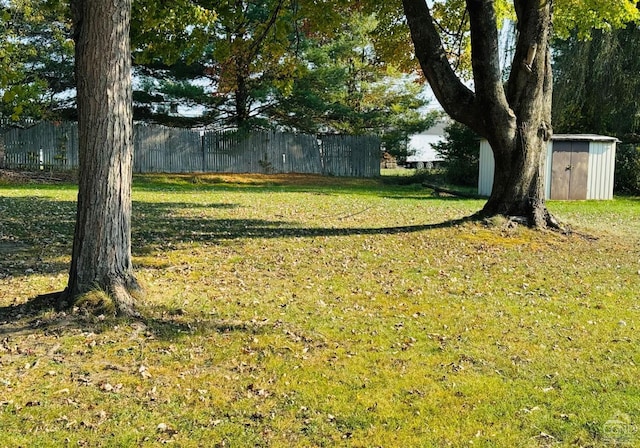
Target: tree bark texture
x=101 y=255
x=242 y=96
x=514 y=116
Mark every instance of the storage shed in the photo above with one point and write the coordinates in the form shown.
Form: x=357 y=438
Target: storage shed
x=578 y=166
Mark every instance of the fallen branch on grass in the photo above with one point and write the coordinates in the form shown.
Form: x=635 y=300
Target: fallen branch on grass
x=462 y=194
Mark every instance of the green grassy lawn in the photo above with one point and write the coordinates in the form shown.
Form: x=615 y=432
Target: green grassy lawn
x=306 y=312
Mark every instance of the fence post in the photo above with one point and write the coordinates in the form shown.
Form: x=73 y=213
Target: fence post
x=2 y=151
x=202 y=150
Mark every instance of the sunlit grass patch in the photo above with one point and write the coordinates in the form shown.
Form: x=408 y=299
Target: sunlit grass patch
x=323 y=312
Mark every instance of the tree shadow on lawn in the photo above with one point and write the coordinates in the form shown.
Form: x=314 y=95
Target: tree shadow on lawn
x=39 y=315
x=34 y=230
x=157 y=229
x=434 y=197
x=155 y=225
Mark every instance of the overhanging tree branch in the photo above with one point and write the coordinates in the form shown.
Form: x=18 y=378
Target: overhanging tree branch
x=530 y=69
x=457 y=99
x=487 y=75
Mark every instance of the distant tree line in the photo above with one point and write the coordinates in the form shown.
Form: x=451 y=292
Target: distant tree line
x=291 y=65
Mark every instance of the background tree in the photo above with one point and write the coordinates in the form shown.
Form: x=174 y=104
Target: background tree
x=627 y=172
x=171 y=31
x=597 y=90
x=307 y=71
x=514 y=116
x=597 y=83
x=37 y=50
x=171 y=49
x=101 y=256
x=461 y=153
x=342 y=85
x=262 y=63
x=246 y=54
x=36 y=54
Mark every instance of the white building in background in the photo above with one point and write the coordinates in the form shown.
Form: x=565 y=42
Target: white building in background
x=420 y=147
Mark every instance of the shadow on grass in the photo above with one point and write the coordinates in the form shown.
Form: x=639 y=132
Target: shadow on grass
x=42 y=229
x=35 y=227
x=153 y=228
x=167 y=324
x=22 y=317
x=39 y=314
x=37 y=231
x=439 y=197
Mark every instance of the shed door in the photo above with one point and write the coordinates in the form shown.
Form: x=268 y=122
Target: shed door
x=569 y=168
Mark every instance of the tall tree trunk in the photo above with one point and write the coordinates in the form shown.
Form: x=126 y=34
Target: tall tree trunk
x=516 y=119
x=518 y=187
x=101 y=255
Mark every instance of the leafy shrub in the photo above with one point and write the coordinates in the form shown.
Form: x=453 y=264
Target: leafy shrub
x=627 y=172
x=461 y=153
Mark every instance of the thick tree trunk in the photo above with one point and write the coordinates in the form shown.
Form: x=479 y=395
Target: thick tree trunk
x=518 y=189
x=516 y=119
x=101 y=255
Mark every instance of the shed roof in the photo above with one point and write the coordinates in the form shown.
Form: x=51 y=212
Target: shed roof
x=584 y=137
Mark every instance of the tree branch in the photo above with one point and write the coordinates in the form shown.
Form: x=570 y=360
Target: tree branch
x=457 y=99
x=531 y=59
x=487 y=75
x=456 y=36
x=484 y=43
x=254 y=49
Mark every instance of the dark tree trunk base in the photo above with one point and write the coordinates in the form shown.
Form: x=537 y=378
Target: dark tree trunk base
x=533 y=213
x=121 y=292
x=123 y=295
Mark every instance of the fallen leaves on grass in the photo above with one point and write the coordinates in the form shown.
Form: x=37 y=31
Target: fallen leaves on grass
x=305 y=315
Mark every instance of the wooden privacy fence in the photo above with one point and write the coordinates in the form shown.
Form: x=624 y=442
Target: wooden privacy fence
x=160 y=149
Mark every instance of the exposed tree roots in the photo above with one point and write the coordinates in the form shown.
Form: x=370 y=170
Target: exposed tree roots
x=115 y=295
x=532 y=213
x=123 y=297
